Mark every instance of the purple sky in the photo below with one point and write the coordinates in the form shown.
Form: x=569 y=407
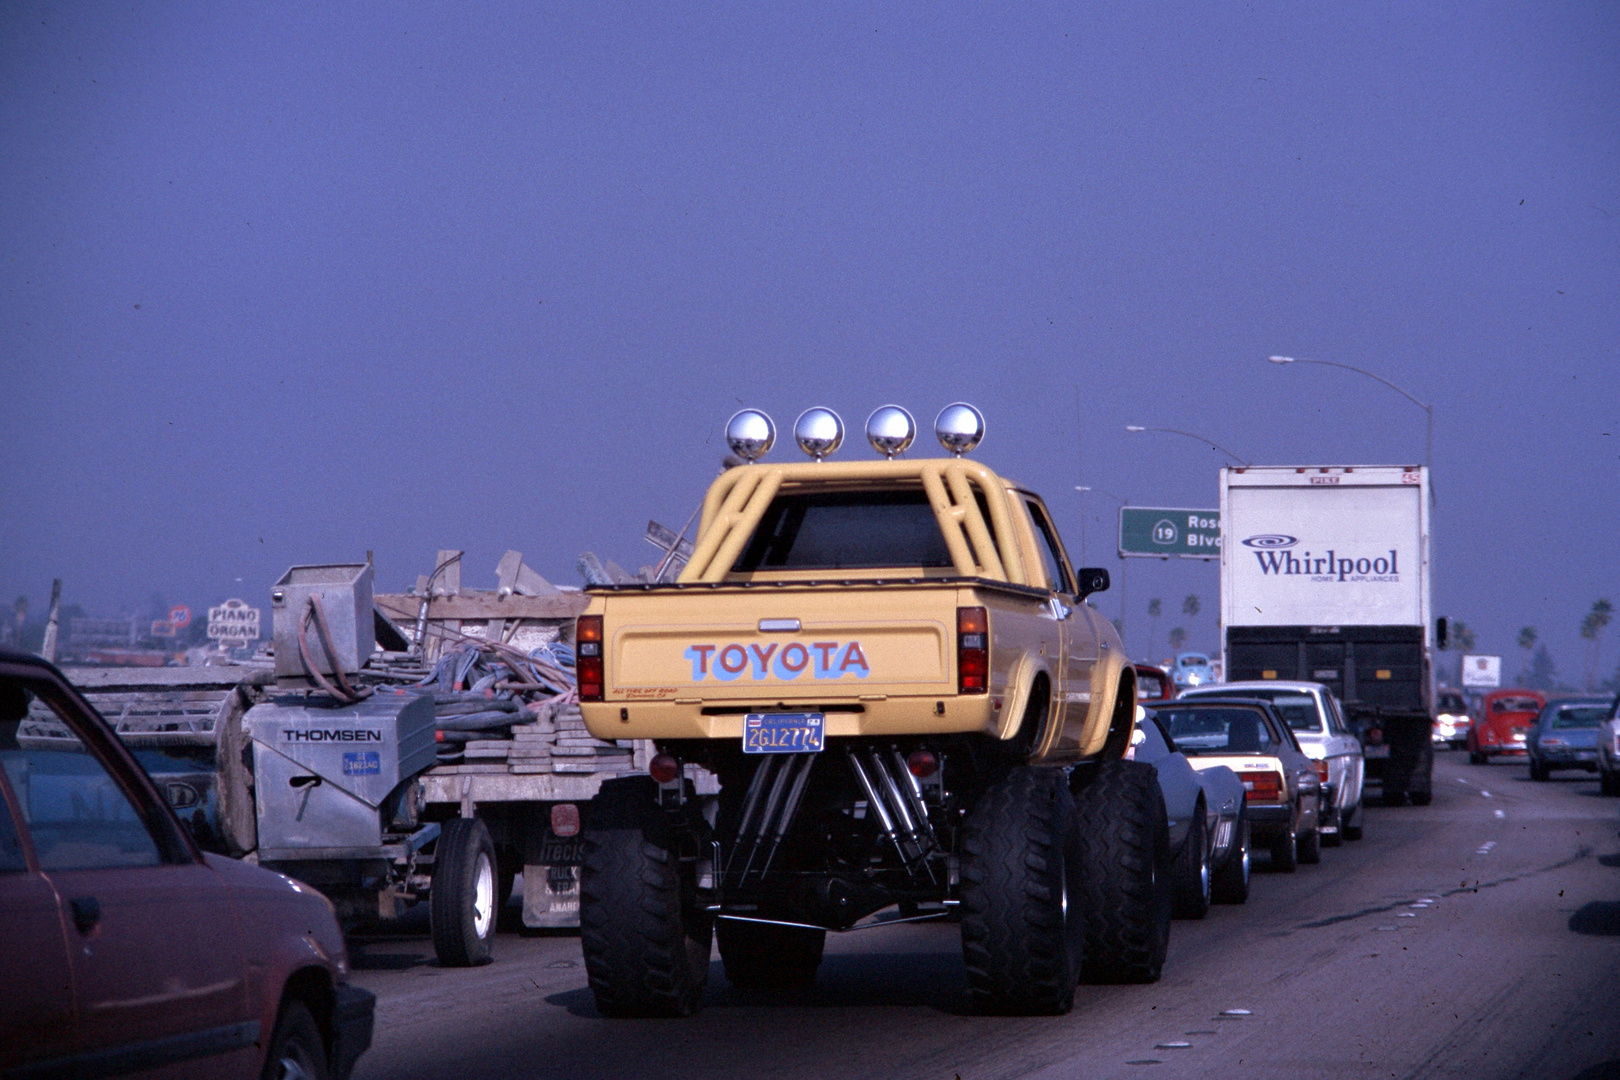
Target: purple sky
x=282 y=286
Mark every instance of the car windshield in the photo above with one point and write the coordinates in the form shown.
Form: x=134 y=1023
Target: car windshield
x=1298 y=709
x=1516 y=704
x=1579 y=716
x=848 y=530
x=1195 y=661
x=1451 y=703
x=1217 y=730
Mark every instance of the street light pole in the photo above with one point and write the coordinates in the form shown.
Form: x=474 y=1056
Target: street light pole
x=1190 y=435
x=1428 y=436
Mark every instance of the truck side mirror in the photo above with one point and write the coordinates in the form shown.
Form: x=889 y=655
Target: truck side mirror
x=1442 y=633
x=1092 y=579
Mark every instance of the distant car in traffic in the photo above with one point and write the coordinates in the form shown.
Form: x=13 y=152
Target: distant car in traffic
x=1505 y=720
x=1209 y=828
x=1283 y=794
x=1153 y=684
x=1566 y=736
x=1451 y=720
x=1314 y=716
x=1191 y=669
x=125 y=948
x=1609 y=750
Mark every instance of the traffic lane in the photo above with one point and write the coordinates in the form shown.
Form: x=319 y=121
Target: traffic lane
x=1340 y=974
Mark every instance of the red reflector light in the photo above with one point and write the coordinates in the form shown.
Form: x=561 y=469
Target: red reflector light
x=588 y=657
x=922 y=763
x=664 y=768
x=1262 y=786
x=565 y=819
x=972 y=650
x=1375 y=736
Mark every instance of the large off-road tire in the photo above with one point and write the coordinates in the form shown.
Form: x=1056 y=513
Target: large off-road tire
x=1191 y=878
x=297 y=1051
x=1125 y=871
x=1022 y=921
x=461 y=904
x=761 y=956
x=646 y=943
x=1230 y=883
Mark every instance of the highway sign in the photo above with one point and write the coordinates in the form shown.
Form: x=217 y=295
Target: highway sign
x=1159 y=532
x=1484 y=672
x=180 y=616
x=234 y=622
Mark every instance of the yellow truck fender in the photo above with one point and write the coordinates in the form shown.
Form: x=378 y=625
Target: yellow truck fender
x=1025 y=670
x=1111 y=679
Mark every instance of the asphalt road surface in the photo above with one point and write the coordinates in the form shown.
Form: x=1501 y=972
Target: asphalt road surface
x=1477 y=938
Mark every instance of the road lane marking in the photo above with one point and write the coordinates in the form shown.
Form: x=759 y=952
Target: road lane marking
x=1485 y=848
x=1236 y=1012
x=1500 y=813
x=1485 y=793
x=1180 y=1045
x=1460 y=780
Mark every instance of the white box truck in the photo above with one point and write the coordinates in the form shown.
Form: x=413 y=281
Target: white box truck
x=1325 y=577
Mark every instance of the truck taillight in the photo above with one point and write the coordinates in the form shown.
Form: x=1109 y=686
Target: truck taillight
x=1262 y=786
x=972 y=650
x=588 y=657
x=1321 y=770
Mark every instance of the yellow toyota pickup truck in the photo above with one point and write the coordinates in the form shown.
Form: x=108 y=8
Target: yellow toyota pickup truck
x=891 y=668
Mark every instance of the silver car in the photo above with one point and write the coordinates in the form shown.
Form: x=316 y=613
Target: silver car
x=1209 y=825
x=1314 y=716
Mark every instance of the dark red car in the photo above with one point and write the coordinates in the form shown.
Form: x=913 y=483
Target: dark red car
x=1153 y=684
x=1505 y=720
x=124 y=948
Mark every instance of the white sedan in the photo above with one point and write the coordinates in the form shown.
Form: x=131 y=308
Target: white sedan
x=1314 y=715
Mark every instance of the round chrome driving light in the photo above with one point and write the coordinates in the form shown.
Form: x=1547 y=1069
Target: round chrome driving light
x=750 y=434
x=890 y=430
x=819 y=432
x=959 y=427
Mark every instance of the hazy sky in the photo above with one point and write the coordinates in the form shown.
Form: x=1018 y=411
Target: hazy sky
x=282 y=284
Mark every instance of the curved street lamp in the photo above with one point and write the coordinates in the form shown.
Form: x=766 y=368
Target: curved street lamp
x=1428 y=439
x=1190 y=435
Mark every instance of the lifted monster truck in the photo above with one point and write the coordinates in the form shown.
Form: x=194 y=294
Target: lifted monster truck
x=892 y=670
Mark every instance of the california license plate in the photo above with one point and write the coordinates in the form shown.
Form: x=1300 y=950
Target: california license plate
x=1586 y=755
x=784 y=733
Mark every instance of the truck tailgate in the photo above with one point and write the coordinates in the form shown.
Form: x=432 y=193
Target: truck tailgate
x=802 y=644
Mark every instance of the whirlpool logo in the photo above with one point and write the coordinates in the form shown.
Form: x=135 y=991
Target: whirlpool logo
x=1271 y=540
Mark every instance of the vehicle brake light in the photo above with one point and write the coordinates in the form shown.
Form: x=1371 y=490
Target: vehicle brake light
x=1321 y=770
x=1261 y=786
x=972 y=650
x=663 y=768
x=1375 y=736
x=588 y=657
x=565 y=819
x=922 y=763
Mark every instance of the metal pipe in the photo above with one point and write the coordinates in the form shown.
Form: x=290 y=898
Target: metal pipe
x=911 y=841
x=873 y=798
x=914 y=790
x=767 y=816
x=784 y=820
x=756 y=787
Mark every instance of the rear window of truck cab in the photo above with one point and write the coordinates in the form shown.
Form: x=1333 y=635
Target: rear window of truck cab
x=849 y=530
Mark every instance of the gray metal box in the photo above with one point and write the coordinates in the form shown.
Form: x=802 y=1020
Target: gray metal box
x=322 y=771
x=345 y=592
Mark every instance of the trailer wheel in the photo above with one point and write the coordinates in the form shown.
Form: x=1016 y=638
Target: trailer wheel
x=461 y=904
x=1230 y=884
x=1022 y=925
x=1191 y=881
x=763 y=956
x=1125 y=872
x=646 y=942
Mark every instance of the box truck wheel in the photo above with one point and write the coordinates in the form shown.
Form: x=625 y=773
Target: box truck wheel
x=1125 y=873
x=645 y=939
x=1022 y=923
x=461 y=904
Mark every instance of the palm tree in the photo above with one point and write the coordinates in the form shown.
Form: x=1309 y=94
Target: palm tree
x=1592 y=628
x=1155 y=609
x=1190 y=607
x=1178 y=637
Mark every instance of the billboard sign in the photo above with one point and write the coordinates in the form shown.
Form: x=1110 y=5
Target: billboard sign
x=1152 y=532
x=233 y=623
x=1484 y=672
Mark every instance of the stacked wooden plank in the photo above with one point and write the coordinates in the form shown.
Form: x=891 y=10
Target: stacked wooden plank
x=557 y=742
